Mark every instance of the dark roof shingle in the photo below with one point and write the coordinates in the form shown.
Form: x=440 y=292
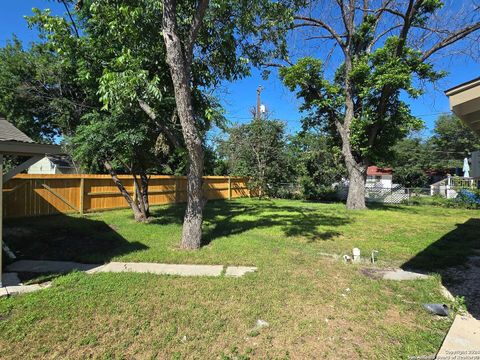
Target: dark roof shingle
x=8 y=132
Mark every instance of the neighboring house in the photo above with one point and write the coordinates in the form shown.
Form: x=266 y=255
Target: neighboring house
x=465 y=103
x=54 y=165
x=379 y=177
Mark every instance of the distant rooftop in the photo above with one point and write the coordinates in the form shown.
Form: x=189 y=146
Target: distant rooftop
x=376 y=171
x=8 y=132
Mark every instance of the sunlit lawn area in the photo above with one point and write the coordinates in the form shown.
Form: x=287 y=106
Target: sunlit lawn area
x=316 y=307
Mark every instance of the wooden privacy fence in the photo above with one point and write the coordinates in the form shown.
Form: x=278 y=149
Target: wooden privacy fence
x=35 y=195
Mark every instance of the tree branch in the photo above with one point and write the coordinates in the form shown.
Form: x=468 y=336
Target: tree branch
x=195 y=28
x=151 y=114
x=71 y=18
x=324 y=25
x=382 y=34
x=344 y=17
x=454 y=37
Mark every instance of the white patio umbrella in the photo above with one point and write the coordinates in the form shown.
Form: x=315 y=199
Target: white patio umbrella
x=466 y=168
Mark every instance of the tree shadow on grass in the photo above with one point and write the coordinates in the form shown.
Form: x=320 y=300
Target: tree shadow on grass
x=227 y=218
x=66 y=238
x=455 y=256
x=396 y=208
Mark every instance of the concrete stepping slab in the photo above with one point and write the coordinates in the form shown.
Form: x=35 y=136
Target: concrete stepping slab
x=238 y=271
x=21 y=289
x=12 y=285
x=463 y=339
x=48 y=266
x=161 y=269
x=401 y=275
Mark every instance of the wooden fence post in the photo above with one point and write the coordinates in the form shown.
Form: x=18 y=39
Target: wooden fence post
x=82 y=196
x=229 y=188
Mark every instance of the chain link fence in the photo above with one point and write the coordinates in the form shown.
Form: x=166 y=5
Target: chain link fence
x=373 y=194
x=394 y=195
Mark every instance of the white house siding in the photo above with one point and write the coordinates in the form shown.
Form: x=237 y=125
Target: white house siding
x=43 y=166
x=46 y=166
x=381 y=181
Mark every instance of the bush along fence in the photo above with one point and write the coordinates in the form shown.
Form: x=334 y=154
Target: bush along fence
x=36 y=195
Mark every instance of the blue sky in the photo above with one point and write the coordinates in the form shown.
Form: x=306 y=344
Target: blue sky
x=240 y=96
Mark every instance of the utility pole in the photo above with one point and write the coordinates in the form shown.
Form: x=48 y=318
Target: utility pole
x=259 y=103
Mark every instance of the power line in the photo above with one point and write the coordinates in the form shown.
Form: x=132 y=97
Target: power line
x=288 y=120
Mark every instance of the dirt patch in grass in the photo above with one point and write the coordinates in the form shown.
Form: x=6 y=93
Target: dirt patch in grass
x=373 y=273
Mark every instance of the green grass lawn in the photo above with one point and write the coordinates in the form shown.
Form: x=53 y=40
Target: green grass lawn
x=316 y=307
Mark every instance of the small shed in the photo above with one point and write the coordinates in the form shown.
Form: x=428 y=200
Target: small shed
x=13 y=142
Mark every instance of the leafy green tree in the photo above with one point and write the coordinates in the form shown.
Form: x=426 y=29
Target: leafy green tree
x=128 y=123
x=37 y=91
x=318 y=164
x=384 y=49
x=411 y=159
x=258 y=150
x=452 y=141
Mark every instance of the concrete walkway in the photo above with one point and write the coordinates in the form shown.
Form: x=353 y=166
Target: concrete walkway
x=60 y=267
x=160 y=269
x=462 y=340
x=13 y=286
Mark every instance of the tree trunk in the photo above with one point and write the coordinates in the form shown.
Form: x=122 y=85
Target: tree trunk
x=355 y=167
x=144 y=193
x=137 y=213
x=180 y=72
x=357 y=172
x=356 y=189
x=140 y=198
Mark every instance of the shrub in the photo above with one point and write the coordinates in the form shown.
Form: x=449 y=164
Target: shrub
x=468 y=198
